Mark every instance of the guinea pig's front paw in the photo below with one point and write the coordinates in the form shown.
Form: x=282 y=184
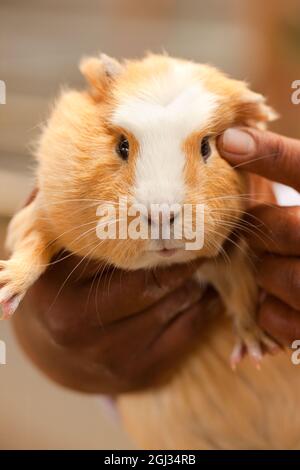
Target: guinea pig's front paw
x=13 y=287
x=253 y=341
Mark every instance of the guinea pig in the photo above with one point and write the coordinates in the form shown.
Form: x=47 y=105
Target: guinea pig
x=143 y=131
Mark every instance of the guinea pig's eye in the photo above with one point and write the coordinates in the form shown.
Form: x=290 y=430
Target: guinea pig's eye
x=123 y=147
x=205 y=148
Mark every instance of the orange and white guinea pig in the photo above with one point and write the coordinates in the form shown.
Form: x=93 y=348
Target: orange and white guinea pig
x=143 y=130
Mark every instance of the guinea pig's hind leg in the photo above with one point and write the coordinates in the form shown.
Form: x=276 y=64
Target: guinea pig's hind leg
x=238 y=288
x=251 y=340
x=30 y=256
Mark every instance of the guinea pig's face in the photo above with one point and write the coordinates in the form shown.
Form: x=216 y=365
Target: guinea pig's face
x=124 y=166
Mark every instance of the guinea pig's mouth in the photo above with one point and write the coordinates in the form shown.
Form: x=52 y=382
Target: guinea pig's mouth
x=166 y=252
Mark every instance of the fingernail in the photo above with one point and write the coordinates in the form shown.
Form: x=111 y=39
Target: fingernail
x=238 y=142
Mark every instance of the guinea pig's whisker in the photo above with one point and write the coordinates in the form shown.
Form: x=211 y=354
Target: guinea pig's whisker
x=236 y=223
x=238 y=246
x=56 y=261
x=232 y=216
x=230 y=198
x=108 y=223
x=77 y=227
x=220 y=249
x=81 y=236
x=252 y=228
x=96 y=278
x=247 y=196
x=74 y=199
x=71 y=273
x=100 y=272
x=246 y=228
x=224 y=255
x=234 y=227
x=229 y=216
x=64 y=283
x=245 y=252
x=262 y=157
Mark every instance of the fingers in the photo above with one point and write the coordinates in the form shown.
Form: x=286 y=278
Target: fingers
x=148 y=324
x=260 y=190
x=151 y=343
x=280 y=276
x=274 y=229
x=279 y=320
x=178 y=337
x=265 y=153
x=102 y=295
x=185 y=328
x=97 y=323
x=116 y=295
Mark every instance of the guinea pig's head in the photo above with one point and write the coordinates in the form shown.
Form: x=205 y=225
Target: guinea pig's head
x=128 y=162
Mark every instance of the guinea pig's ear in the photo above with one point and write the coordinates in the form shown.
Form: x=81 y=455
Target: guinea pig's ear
x=99 y=72
x=252 y=109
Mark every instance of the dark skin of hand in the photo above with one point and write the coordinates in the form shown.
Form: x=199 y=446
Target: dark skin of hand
x=113 y=333
x=125 y=331
x=278 y=159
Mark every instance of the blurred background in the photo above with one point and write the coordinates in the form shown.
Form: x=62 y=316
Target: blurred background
x=41 y=42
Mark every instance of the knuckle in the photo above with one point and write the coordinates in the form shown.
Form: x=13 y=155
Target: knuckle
x=278 y=147
x=284 y=224
x=290 y=226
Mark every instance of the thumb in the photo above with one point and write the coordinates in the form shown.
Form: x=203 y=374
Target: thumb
x=267 y=154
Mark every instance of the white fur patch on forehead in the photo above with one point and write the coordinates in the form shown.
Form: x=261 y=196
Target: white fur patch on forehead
x=161 y=113
x=175 y=99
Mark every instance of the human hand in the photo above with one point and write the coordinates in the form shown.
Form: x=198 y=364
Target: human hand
x=113 y=332
x=278 y=159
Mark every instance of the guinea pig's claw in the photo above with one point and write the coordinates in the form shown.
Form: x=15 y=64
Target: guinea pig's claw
x=237 y=354
x=255 y=344
x=9 y=306
x=255 y=352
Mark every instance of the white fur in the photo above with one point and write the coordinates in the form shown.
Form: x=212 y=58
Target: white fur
x=161 y=115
